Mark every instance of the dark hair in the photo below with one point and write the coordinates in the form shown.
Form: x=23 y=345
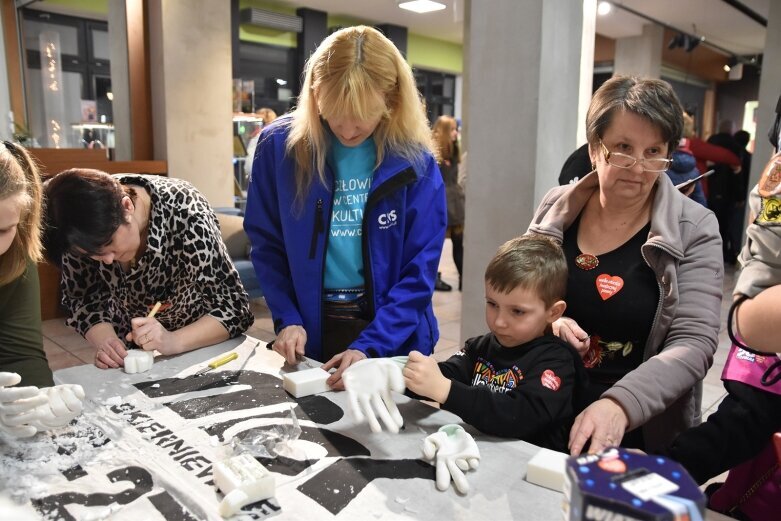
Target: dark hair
x=652 y=99
x=742 y=138
x=83 y=209
x=533 y=262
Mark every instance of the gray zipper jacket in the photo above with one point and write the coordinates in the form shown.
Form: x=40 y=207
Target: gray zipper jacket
x=663 y=394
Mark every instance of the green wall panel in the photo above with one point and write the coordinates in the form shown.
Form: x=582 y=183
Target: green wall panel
x=429 y=53
x=250 y=33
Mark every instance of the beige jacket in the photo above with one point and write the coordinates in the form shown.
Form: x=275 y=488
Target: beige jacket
x=664 y=394
x=759 y=258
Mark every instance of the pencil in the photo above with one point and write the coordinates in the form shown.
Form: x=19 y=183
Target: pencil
x=155 y=309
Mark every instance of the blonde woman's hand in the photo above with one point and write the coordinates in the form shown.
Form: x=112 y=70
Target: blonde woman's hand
x=569 y=331
x=342 y=361
x=290 y=343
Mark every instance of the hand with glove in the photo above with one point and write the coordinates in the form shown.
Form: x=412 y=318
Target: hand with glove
x=64 y=402
x=369 y=384
x=455 y=452
x=18 y=406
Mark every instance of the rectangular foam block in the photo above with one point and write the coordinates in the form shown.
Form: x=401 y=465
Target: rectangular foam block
x=244 y=481
x=306 y=382
x=547 y=469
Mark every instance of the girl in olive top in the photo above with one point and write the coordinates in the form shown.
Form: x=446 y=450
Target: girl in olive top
x=21 y=344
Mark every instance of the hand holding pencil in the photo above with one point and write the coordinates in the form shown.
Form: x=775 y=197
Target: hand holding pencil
x=148 y=333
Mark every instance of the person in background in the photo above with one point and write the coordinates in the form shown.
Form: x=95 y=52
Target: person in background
x=684 y=168
x=704 y=152
x=346 y=209
x=645 y=274
x=25 y=410
x=519 y=380
x=577 y=166
x=721 y=195
x=739 y=191
x=445 y=135
x=267 y=116
x=126 y=242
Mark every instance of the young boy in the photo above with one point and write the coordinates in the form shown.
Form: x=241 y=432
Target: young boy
x=519 y=380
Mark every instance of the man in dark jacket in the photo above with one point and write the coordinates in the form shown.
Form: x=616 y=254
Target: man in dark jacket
x=721 y=198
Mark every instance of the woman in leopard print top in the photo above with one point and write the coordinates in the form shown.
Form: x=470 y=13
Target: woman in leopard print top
x=124 y=243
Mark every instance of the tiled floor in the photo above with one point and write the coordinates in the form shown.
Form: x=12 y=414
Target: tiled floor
x=65 y=348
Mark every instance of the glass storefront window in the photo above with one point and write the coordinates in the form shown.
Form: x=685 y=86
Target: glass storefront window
x=72 y=85
x=69 y=36
x=84 y=51
x=100 y=45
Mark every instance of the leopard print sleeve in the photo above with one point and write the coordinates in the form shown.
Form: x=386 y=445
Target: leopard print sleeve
x=212 y=269
x=84 y=293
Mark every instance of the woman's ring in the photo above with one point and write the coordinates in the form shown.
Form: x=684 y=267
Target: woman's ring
x=145 y=339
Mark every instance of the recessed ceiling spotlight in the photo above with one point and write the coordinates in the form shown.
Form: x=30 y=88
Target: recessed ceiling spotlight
x=603 y=8
x=421 y=6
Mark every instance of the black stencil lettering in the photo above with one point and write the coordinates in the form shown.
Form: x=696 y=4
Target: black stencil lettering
x=171 y=510
x=350 y=476
x=54 y=506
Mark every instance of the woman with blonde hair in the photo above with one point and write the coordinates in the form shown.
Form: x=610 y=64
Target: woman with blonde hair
x=21 y=344
x=25 y=410
x=445 y=134
x=346 y=209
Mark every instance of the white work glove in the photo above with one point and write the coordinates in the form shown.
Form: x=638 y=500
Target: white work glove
x=369 y=384
x=63 y=404
x=456 y=452
x=18 y=406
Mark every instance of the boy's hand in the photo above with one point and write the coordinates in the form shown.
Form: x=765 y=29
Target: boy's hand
x=422 y=376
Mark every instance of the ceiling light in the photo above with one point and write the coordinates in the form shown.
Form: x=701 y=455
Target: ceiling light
x=603 y=8
x=421 y=6
x=281 y=82
x=730 y=63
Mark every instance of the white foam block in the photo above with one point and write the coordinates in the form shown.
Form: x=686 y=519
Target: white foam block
x=306 y=382
x=547 y=469
x=244 y=481
x=139 y=361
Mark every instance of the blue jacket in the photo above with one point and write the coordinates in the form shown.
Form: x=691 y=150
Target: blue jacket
x=403 y=231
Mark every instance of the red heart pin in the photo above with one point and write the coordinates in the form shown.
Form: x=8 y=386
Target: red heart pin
x=550 y=380
x=608 y=286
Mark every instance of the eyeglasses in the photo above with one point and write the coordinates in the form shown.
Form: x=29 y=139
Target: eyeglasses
x=624 y=161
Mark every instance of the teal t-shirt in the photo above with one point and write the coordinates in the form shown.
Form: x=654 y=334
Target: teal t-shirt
x=353 y=168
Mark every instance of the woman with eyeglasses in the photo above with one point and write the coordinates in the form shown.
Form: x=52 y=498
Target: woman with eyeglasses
x=645 y=273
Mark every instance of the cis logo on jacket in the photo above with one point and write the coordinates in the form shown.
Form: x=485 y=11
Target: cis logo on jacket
x=387 y=220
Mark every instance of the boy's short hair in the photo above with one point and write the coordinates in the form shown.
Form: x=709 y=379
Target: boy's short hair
x=533 y=262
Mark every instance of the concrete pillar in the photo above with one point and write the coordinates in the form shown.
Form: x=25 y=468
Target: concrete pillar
x=190 y=68
x=640 y=55
x=522 y=89
x=769 y=90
